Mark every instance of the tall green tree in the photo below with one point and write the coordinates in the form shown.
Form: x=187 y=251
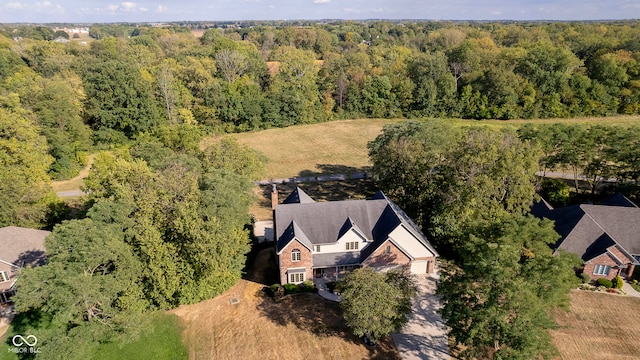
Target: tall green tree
x=499 y=302
x=24 y=164
x=375 y=304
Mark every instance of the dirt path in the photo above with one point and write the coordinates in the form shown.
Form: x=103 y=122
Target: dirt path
x=72 y=186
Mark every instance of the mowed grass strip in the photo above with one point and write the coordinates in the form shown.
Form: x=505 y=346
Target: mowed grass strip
x=598 y=326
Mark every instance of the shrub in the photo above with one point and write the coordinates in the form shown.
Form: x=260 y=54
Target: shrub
x=276 y=290
x=585 y=278
x=307 y=286
x=555 y=191
x=605 y=282
x=617 y=282
x=290 y=288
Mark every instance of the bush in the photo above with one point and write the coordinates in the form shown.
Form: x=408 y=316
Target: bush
x=585 y=278
x=605 y=282
x=290 y=288
x=276 y=291
x=617 y=282
x=555 y=191
x=307 y=286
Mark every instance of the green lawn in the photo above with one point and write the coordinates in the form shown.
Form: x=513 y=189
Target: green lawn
x=341 y=146
x=161 y=340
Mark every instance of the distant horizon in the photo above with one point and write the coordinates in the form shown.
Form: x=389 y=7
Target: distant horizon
x=311 y=20
x=170 y=11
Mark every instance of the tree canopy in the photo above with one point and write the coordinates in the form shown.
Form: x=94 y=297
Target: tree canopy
x=499 y=302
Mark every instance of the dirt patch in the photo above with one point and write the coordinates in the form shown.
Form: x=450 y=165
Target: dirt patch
x=598 y=326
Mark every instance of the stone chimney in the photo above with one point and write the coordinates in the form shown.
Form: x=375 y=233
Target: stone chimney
x=274 y=197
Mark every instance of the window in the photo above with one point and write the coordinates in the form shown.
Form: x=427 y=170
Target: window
x=388 y=249
x=601 y=270
x=3 y=276
x=352 y=245
x=296 y=278
x=317 y=248
x=295 y=255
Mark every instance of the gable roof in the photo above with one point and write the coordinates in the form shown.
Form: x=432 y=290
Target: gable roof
x=21 y=246
x=590 y=230
x=293 y=231
x=619 y=200
x=298 y=196
x=326 y=222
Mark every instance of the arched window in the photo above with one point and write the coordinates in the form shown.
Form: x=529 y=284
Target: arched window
x=295 y=255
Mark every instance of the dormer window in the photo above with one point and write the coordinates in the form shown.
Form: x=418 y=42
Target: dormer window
x=295 y=255
x=352 y=245
x=4 y=277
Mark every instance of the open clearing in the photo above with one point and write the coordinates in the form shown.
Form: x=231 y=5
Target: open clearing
x=303 y=326
x=337 y=147
x=599 y=326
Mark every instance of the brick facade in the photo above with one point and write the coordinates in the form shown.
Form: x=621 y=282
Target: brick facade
x=380 y=257
x=285 y=261
x=606 y=259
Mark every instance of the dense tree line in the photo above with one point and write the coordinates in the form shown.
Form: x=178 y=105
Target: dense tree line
x=160 y=232
x=131 y=79
x=594 y=153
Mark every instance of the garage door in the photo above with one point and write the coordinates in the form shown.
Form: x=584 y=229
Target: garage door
x=419 y=266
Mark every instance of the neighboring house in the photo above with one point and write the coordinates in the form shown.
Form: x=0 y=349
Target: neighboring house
x=605 y=236
x=19 y=247
x=327 y=239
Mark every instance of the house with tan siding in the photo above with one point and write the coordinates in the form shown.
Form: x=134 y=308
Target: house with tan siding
x=328 y=239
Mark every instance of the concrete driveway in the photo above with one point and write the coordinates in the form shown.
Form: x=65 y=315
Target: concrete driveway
x=425 y=335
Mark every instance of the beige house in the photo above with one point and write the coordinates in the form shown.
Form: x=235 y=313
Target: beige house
x=327 y=239
x=19 y=247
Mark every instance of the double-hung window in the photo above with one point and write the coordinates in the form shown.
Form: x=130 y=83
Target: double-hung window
x=295 y=255
x=296 y=278
x=352 y=245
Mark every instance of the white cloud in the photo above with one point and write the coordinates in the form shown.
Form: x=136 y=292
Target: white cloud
x=161 y=9
x=128 y=6
x=321 y=1
x=15 y=5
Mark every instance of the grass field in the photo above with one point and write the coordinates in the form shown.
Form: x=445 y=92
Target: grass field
x=303 y=326
x=160 y=340
x=341 y=146
x=599 y=326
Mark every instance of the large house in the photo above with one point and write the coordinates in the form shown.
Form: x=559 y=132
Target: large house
x=605 y=236
x=326 y=239
x=19 y=247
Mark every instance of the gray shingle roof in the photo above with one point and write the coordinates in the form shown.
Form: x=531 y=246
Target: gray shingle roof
x=298 y=196
x=589 y=230
x=293 y=231
x=22 y=246
x=326 y=222
x=619 y=200
x=336 y=259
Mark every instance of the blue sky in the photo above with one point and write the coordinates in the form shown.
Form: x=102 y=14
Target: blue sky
x=173 y=10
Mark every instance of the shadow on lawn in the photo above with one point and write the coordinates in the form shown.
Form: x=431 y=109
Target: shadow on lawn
x=323 y=318
x=326 y=190
x=334 y=169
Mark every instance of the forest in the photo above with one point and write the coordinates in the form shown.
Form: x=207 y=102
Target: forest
x=164 y=220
